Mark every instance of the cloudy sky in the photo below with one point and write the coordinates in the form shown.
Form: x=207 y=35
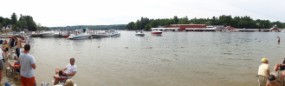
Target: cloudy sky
x=106 y=12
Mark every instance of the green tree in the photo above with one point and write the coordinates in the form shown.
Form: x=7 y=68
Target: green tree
x=154 y=23
x=144 y=22
x=238 y=22
x=138 y=25
x=214 y=21
x=131 y=26
x=14 y=18
x=22 y=24
x=183 y=20
x=225 y=20
x=27 y=22
x=1 y=26
x=6 y=22
x=147 y=27
x=278 y=23
x=175 y=18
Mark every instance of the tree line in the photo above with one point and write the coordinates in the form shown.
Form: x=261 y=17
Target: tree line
x=225 y=20
x=93 y=27
x=19 y=24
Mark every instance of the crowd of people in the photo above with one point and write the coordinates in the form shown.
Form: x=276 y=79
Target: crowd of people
x=25 y=63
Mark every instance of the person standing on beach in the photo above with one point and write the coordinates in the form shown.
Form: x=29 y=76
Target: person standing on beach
x=28 y=65
x=19 y=42
x=263 y=72
x=12 y=42
x=278 y=39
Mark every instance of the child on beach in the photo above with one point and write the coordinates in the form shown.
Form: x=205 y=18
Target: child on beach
x=263 y=71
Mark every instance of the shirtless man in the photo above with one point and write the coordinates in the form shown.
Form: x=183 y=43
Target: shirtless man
x=19 y=42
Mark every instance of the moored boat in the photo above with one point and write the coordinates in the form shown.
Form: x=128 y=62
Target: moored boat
x=156 y=31
x=108 y=33
x=46 y=34
x=6 y=36
x=79 y=36
x=139 y=33
x=65 y=35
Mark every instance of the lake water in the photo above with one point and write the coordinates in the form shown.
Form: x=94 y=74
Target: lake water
x=173 y=59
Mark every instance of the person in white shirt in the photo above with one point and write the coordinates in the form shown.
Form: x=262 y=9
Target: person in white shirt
x=66 y=73
x=263 y=71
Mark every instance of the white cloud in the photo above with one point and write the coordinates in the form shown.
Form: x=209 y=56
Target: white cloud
x=97 y=12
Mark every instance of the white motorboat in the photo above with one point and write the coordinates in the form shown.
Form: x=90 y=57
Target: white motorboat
x=156 y=31
x=108 y=33
x=79 y=36
x=140 y=33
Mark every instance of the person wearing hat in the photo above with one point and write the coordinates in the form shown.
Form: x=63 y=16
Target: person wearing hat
x=263 y=71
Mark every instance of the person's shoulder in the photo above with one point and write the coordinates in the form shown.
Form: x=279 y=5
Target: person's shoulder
x=24 y=55
x=29 y=55
x=263 y=64
x=266 y=65
x=71 y=66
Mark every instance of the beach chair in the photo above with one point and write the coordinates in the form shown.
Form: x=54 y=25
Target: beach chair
x=261 y=80
x=13 y=68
